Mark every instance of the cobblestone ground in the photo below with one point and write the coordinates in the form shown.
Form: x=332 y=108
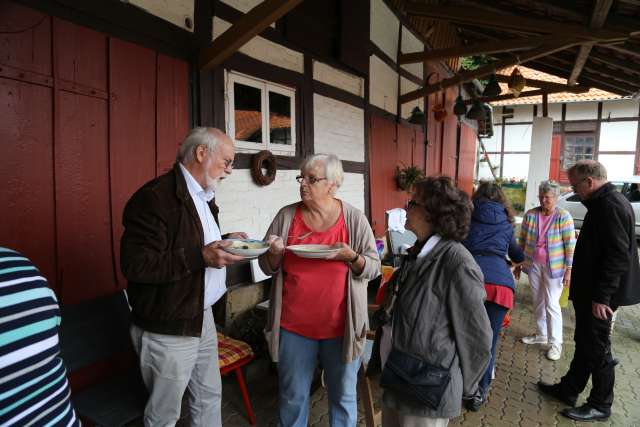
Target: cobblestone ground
x=514 y=400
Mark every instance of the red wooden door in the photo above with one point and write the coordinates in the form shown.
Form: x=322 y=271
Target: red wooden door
x=85 y=119
x=554 y=163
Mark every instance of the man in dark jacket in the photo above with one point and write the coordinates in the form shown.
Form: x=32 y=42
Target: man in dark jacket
x=173 y=256
x=606 y=275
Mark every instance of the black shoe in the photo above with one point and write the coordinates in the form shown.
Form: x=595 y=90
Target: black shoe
x=555 y=391
x=586 y=413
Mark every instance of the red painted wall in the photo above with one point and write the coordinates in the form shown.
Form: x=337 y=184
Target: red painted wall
x=85 y=119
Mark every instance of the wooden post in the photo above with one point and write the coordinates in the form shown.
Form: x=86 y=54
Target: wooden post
x=545 y=104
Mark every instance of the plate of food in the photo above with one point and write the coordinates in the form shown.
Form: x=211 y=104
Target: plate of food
x=248 y=248
x=313 y=251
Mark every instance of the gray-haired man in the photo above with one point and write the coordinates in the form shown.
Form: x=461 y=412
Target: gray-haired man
x=173 y=256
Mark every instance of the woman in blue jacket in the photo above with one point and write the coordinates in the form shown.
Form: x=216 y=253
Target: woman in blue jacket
x=490 y=240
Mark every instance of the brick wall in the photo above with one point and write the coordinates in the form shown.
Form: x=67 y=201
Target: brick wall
x=338 y=128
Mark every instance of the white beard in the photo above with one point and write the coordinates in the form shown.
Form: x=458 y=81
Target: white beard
x=212 y=184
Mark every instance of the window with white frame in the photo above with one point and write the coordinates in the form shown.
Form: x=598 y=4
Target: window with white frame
x=260 y=115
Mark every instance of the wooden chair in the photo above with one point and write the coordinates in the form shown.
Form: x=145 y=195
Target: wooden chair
x=232 y=356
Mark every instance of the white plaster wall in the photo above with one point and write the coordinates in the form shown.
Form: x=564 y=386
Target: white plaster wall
x=265 y=50
x=582 y=111
x=618 y=136
x=555 y=111
x=493 y=143
x=242 y=5
x=517 y=137
x=338 y=128
x=618 y=165
x=383 y=85
x=246 y=207
x=516 y=166
x=384 y=28
x=337 y=78
x=521 y=113
x=174 y=11
x=539 y=158
x=621 y=108
x=411 y=44
x=408 y=86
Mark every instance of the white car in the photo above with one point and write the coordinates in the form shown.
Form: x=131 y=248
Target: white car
x=629 y=186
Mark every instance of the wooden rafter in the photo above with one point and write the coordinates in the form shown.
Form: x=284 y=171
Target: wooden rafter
x=553 y=68
x=604 y=73
x=485 y=70
x=630 y=66
x=494 y=46
x=474 y=16
x=598 y=17
x=247 y=27
x=595 y=79
x=550 y=87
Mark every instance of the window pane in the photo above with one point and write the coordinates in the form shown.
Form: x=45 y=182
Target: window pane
x=279 y=118
x=248 y=113
x=577 y=147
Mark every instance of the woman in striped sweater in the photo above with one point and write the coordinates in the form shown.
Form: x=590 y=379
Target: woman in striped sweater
x=33 y=383
x=548 y=238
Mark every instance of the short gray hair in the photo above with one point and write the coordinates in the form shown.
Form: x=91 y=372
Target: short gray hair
x=198 y=136
x=332 y=167
x=549 y=187
x=588 y=169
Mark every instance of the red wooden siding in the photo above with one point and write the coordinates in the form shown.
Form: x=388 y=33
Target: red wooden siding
x=85 y=119
x=390 y=147
x=467 y=160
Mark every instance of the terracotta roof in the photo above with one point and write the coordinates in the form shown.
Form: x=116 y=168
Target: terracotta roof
x=249 y=122
x=528 y=73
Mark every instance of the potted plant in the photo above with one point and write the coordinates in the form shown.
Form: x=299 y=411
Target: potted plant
x=407 y=176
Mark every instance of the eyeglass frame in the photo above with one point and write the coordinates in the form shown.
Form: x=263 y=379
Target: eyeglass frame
x=311 y=180
x=573 y=187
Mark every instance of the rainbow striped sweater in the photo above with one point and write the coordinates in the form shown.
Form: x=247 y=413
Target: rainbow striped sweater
x=561 y=240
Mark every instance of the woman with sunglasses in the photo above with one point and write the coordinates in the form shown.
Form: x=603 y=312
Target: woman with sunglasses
x=318 y=307
x=437 y=315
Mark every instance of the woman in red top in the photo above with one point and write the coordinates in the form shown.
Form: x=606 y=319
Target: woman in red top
x=319 y=298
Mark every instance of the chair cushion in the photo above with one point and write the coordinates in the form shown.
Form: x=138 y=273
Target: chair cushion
x=230 y=350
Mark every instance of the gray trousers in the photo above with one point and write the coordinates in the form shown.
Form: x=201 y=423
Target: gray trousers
x=171 y=365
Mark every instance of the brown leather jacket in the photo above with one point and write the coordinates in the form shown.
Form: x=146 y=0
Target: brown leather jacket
x=161 y=256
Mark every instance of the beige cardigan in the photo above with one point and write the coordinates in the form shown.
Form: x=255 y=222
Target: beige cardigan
x=357 y=320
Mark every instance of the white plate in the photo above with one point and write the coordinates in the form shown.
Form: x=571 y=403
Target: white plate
x=313 y=251
x=248 y=248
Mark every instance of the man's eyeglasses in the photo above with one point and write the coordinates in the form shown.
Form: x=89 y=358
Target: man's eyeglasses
x=310 y=179
x=573 y=186
x=228 y=163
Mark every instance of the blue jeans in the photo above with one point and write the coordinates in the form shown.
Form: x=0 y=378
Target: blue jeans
x=496 y=315
x=298 y=357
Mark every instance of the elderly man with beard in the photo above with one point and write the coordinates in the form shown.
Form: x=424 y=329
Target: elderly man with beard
x=173 y=256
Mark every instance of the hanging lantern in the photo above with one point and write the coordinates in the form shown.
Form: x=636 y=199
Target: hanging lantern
x=492 y=88
x=459 y=108
x=516 y=82
x=476 y=112
x=485 y=125
x=417 y=116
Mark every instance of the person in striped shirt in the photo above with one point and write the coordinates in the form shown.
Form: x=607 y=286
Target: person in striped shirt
x=33 y=378
x=548 y=239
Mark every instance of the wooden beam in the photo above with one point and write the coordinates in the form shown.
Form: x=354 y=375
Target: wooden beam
x=554 y=69
x=598 y=17
x=506 y=97
x=475 y=16
x=477 y=49
x=545 y=104
x=485 y=70
x=247 y=27
x=630 y=66
x=550 y=86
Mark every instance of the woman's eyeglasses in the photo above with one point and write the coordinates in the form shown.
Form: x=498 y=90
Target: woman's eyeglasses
x=310 y=179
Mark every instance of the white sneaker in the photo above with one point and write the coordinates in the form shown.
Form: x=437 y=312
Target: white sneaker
x=534 y=339
x=554 y=352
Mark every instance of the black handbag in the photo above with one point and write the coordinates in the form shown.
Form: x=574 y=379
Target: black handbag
x=414 y=379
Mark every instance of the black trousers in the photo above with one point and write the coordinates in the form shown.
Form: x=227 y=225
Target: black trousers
x=591 y=358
